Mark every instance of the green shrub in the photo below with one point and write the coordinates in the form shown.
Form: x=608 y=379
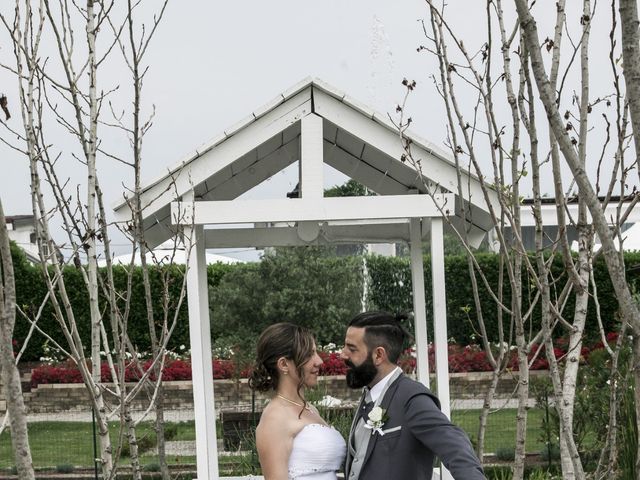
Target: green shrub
x=151 y=467
x=146 y=442
x=493 y=472
x=506 y=454
x=550 y=453
x=64 y=468
x=170 y=431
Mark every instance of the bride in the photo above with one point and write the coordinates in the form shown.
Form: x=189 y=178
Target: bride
x=293 y=440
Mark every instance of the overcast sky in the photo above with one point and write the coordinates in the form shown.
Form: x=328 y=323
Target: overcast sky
x=213 y=63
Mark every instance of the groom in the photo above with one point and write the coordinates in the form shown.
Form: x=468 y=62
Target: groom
x=398 y=428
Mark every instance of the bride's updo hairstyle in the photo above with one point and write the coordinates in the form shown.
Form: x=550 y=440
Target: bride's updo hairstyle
x=276 y=341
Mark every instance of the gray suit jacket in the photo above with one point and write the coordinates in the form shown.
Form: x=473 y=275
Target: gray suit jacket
x=408 y=452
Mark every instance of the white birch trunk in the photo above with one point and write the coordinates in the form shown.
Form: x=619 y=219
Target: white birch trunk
x=615 y=265
x=628 y=308
x=630 y=36
x=9 y=375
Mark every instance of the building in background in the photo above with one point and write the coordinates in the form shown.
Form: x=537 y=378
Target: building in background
x=22 y=231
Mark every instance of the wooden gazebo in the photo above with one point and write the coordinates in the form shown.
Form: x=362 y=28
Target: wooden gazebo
x=312 y=124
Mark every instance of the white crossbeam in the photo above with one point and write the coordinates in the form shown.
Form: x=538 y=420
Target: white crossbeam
x=318 y=210
x=261 y=237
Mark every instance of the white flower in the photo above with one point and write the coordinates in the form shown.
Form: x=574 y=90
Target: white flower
x=330 y=347
x=328 y=401
x=182 y=347
x=376 y=414
x=376 y=419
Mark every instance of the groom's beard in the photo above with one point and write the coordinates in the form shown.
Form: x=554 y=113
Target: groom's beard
x=362 y=375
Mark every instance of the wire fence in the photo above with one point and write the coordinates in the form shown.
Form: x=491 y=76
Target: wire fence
x=65 y=440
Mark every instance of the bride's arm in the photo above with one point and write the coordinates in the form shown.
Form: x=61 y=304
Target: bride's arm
x=274 y=442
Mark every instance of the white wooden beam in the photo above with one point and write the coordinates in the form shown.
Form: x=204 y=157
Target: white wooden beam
x=440 y=322
x=263 y=168
x=201 y=360
x=419 y=302
x=549 y=213
x=221 y=153
x=288 y=236
x=440 y=314
x=311 y=164
x=299 y=210
x=383 y=138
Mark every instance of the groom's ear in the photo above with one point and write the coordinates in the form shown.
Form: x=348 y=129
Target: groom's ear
x=379 y=355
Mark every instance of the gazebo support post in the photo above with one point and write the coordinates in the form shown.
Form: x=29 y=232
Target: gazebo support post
x=201 y=362
x=419 y=302
x=440 y=315
x=440 y=322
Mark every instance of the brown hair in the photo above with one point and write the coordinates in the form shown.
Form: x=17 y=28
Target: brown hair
x=276 y=341
x=383 y=329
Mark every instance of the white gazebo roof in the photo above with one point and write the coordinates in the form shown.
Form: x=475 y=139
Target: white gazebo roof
x=360 y=143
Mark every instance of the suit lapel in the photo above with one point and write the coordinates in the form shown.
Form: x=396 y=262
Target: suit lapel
x=386 y=401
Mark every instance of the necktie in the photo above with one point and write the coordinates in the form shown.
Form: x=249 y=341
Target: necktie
x=364 y=411
x=366 y=406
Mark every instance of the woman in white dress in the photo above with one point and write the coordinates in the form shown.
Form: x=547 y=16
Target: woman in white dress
x=293 y=440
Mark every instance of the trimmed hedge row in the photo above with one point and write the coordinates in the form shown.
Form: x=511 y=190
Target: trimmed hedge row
x=389 y=288
x=462 y=359
x=390 y=284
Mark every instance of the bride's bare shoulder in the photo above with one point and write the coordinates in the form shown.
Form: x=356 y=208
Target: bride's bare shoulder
x=276 y=418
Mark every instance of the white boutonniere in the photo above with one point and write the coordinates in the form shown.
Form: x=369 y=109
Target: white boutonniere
x=376 y=419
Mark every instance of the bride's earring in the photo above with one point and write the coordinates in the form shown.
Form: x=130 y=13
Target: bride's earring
x=282 y=364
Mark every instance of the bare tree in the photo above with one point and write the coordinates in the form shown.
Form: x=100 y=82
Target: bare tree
x=494 y=132
x=8 y=369
x=64 y=90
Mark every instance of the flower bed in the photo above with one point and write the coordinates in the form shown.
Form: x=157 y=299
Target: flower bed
x=469 y=358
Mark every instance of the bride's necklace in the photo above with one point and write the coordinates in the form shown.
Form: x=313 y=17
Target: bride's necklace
x=306 y=407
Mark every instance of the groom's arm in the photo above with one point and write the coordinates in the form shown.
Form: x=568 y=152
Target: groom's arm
x=447 y=441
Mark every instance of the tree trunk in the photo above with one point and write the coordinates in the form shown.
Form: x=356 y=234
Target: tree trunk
x=159 y=427
x=631 y=58
x=615 y=264
x=9 y=375
x=523 y=397
x=484 y=413
x=136 y=472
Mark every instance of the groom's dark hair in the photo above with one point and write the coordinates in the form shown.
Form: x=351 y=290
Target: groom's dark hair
x=382 y=329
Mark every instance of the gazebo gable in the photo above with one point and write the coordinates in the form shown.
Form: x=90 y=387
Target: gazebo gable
x=347 y=135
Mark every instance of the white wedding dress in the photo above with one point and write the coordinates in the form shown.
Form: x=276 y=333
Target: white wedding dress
x=317 y=454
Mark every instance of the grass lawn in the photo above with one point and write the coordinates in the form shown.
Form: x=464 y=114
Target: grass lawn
x=71 y=443
x=501 y=428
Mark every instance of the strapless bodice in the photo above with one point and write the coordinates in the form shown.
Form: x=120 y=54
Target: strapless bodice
x=317 y=454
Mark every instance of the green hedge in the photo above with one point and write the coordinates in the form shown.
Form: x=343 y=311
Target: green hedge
x=390 y=283
x=31 y=289
x=306 y=286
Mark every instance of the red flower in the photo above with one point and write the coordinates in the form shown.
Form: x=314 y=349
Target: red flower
x=332 y=364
